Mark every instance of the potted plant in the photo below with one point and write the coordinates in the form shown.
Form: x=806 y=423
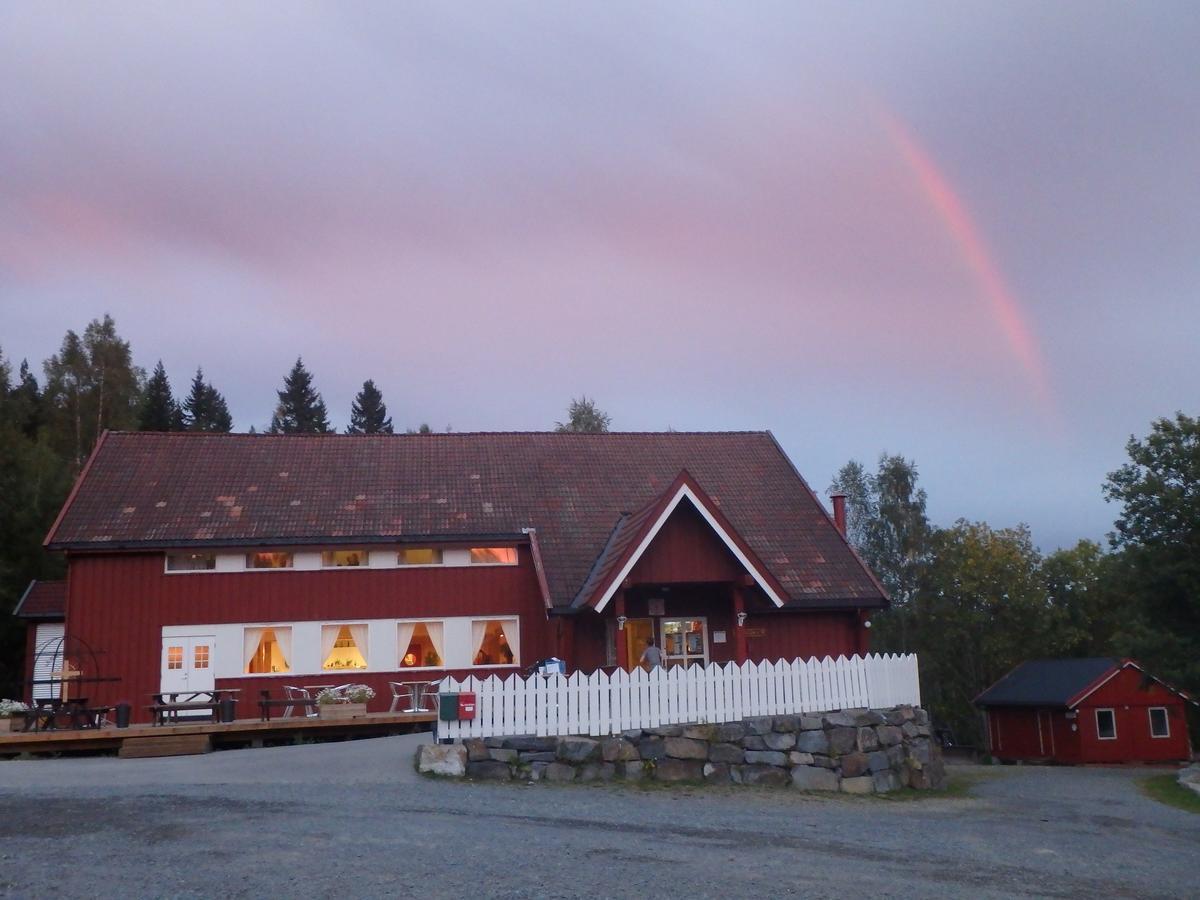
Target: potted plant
x=347 y=703
x=9 y=709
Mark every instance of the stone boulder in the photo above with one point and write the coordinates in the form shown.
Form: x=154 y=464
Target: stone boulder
x=442 y=759
x=559 y=772
x=503 y=755
x=814 y=778
x=666 y=731
x=766 y=757
x=855 y=764
x=679 y=770
x=886 y=781
x=1189 y=777
x=490 y=770
x=530 y=744
x=811 y=723
x=578 y=749
x=878 y=761
x=864 y=784
x=867 y=717
x=842 y=740
x=538 y=756
x=616 y=749
x=787 y=724
x=840 y=720
x=759 y=725
x=867 y=739
x=796 y=758
x=477 y=750
x=754 y=742
x=685 y=748
x=728 y=732
x=812 y=742
x=726 y=753
x=652 y=748
x=889 y=735
x=597 y=771
x=633 y=770
x=700 y=732
x=779 y=740
x=765 y=775
x=716 y=773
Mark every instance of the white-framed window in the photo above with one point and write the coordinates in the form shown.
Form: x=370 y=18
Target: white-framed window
x=269 y=559
x=1160 y=722
x=419 y=556
x=268 y=651
x=174 y=657
x=493 y=556
x=421 y=645
x=1106 y=724
x=200 y=656
x=344 y=559
x=495 y=642
x=343 y=647
x=191 y=562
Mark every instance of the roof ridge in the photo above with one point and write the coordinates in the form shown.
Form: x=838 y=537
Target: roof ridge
x=443 y=434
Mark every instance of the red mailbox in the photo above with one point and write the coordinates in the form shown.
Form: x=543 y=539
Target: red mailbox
x=466 y=706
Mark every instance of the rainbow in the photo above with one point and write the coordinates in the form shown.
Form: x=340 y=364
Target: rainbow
x=1005 y=307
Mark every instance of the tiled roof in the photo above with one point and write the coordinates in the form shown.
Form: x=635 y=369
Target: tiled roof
x=151 y=490
x=43 y=600
x=1046 y=682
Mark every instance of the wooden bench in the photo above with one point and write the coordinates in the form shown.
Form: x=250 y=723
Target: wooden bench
x=266 y=704
x=165 y=745
x=164 y=712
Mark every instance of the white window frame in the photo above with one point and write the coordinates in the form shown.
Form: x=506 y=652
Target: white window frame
x=366 y=559
x=249 y=568
x=1166 y=720
x=167 y=570
x=516 y=620
x=364 y=652
x=272 y=627
x=1112 y=712
x=433 y=565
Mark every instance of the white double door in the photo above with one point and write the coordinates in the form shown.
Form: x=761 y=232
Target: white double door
x=187 y=664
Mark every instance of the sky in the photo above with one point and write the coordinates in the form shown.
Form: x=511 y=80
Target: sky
x=962 y=232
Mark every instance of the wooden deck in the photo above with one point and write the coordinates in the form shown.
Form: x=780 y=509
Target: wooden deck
x=148 y=740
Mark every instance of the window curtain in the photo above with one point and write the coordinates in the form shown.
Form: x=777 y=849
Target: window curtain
x=283 y=637
x=406 y=633
x=512 y=633
x=329 y=634
x=435 y=638
x=478 y=633
x=358 y=634
x=251 y=638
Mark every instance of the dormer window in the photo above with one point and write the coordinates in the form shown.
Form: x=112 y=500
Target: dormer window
x=191 y=562
x=339 y=559
x=419 y=556
x=269 y=560
x=493 y=556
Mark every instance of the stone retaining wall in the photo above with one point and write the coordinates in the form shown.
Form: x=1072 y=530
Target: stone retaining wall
x=858 y=751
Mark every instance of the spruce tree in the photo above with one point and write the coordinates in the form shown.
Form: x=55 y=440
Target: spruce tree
x=159 y=411
x=205 y=409
x=368 y=413
x=301 y=409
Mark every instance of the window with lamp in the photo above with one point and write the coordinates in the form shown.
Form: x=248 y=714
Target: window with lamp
x=343 y=647
x=344 y=559
x=493 y=556
x=269 y=559
x=495 y=642
x=420 y=645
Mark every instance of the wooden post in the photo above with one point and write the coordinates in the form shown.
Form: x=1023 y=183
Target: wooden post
x=740 y=650
x=622 y=643
x=66 y=673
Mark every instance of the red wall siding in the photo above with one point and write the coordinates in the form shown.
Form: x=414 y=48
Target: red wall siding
x=119 y=603
x=804 y=635
x=1130 y=696
x=686 y=549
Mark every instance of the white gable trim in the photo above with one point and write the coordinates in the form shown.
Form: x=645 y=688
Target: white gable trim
x=685 y=491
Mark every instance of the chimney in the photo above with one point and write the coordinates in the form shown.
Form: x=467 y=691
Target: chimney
x=839 y=512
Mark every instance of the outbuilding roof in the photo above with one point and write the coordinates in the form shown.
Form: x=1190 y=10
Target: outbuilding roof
x=42 y=600
x=156 y=491
x=1047 y=682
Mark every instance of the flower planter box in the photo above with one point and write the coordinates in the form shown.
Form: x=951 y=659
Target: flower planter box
x=342 y=710
x=7 y=725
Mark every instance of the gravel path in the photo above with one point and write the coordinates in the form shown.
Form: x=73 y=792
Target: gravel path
x=354 y=820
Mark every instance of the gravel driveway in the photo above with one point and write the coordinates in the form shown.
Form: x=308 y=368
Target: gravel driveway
x=353 y=820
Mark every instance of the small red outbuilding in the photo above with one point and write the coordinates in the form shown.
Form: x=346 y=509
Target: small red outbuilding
x=1100 y=710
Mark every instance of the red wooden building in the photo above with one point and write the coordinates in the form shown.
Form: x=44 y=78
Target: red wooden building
x=1085 y=711
x=256 y=561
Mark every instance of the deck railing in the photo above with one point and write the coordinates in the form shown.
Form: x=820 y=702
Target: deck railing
x=601 y=704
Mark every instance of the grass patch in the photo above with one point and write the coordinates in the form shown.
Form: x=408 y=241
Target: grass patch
x=1167 y=789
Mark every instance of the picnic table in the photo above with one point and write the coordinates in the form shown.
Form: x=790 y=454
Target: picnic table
x=168 y=705
x=53 y=714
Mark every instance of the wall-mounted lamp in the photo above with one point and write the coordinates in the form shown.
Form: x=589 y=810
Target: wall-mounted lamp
x=867 y=624
x=621 y=620
x=741 y=619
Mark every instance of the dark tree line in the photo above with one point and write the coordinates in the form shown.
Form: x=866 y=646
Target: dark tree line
x=973 y=601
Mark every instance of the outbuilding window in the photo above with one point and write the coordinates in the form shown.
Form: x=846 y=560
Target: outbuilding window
x=1160 y=725
x=1106 y=724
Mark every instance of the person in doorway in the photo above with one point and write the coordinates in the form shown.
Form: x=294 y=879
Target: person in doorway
x=651 y=656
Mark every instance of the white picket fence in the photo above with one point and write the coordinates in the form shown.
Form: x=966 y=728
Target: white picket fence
x=600 y=704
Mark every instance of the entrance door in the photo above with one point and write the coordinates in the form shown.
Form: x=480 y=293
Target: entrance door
x=685 y=642
x=187 y=665
x=637 y=632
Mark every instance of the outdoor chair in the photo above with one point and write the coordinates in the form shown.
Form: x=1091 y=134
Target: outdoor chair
x=298 y=693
